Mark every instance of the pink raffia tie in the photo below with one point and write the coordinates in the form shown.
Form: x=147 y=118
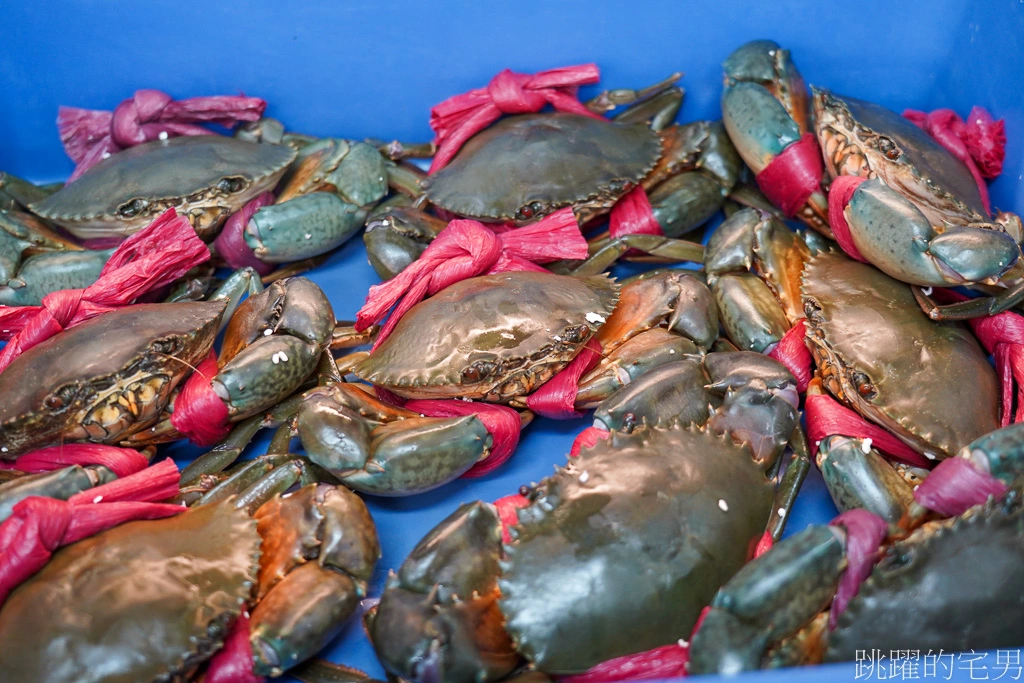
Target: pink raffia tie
x=230 y=243
x=199 y=413
x=233 y=662
x=633 y=215
x=90 y=135
x=459 y=118
x=38 y=525
x=466 y=249
x=839 y=196
x=826 y=417
x=501 y=422
x=792 y=352
x=1002 y=335
x=556 y=398
x=865 y=532
x=955 y=486
x=121 y=461
x=979 y=142
x=793 y=176
x=151 y=258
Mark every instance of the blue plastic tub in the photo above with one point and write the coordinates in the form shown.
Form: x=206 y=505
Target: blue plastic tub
x=375 y=69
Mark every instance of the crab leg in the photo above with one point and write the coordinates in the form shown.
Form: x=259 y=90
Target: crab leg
x=789 y=487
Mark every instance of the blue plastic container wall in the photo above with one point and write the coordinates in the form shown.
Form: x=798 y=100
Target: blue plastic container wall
x=359 y=69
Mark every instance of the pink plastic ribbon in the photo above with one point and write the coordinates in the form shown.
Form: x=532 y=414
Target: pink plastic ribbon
x=501 y=422
x=839 y=196
x=466 y=249
x=459 y=118
x=956 y=485
x=864 y=534
x=151 y=258
x=826 y=417
x=633 y=215
x=665 y=662
x=556 y=398
x=38 y=526
x=508 y=514
x=230 y=243
x=979 y=142
x=90 y=135
x=793 y=176
x=1002 y=335
x=588 y=438
x=792 y=352
x=233 y=662
x=199 y=413
x=121 y=461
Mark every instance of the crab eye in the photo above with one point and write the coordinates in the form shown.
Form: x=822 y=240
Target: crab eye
x=864 y=386
x=53 y=402
x=132 y=208
x=887 y=147
x=471 y=374
x=525 y=213
x=231 y=185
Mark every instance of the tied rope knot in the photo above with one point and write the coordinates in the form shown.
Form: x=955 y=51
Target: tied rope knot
x=465 y=249
x=459 y=118
x=979 y=142
x=38 y=525
x=91 y=135
x=153 y=257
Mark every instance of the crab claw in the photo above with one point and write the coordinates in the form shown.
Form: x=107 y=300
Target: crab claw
x=396 y=237
x=379 y=449
x=438 y=618
x=893 y=235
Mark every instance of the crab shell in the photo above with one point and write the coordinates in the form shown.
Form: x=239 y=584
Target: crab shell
x=493 y=337
x=525 y=167
x=950 y=588
x=205 y=177
x=144 y=601
x=104 y=379
x=877 y=351
x=865 y=139
x=619 y=552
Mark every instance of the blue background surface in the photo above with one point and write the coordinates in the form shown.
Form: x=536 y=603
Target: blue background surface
x=375 y=69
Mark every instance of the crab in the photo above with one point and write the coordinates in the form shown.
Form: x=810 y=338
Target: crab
x=865 y=330
x=633 y=515
x=326 y=189
x=300 y=565
x=128 y=362
x=920 y=216
x=927 y=592
x=526 y=167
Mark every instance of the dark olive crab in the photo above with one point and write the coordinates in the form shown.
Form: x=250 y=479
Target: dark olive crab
x=876 y=350
x=495 y=337
x=205 y=177
x=96 y=382
x=541 y=163
x=153 y=600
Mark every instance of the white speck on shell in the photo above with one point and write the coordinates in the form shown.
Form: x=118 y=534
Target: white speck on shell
x=927 y=291
x=671 y=352
x=584 y=476
x=3 y=449
x=595 y=318
x=163 y=135
x=866 y=446
x=930 y=456
x=782 y=512
x=106 y=155
x=309 y=236
x=683 y=642
x=267 y=332
x=722 y=505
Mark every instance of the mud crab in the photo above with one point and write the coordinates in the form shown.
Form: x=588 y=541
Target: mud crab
x=300 y=564
x=526 y=167
x=129 y=362
x=514 y=331
x=612 y=516
x=920 y=216
x=868 y=365
x=771 y=613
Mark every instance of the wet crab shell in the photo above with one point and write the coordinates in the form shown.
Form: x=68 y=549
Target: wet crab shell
x=619 y=552
x=868 y=140
x=104 y=379
x=951 y=588
x=525 y=167
x=145 y=601
x=493 y=337
x=205 y=177
x=880 y=353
